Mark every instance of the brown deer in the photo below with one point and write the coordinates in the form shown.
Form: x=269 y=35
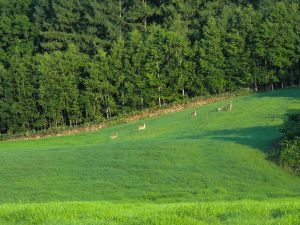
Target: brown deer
x=114 y=136
x=194 y=114
x=221 y=108
x=229 y=108
x=142 y=127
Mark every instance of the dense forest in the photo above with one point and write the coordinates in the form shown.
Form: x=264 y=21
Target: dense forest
x=72 y=62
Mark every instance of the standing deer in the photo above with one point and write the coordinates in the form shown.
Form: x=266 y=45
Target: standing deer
x=194 y=114
x=114 y=136
x=142 y=127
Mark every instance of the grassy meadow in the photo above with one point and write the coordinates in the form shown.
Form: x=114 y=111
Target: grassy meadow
x=210 y=169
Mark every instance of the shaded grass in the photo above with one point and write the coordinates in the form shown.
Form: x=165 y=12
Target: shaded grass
x=215 y=156
x=283 y=211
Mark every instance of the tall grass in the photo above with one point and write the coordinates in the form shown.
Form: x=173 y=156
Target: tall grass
x=283 y=211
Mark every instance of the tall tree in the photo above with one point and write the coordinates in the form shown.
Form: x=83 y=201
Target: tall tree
x=156 y=80
x=211 y=57
x=276 y=43
x=99 y=86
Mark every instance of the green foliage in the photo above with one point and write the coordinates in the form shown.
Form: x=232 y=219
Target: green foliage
x=290 y=151
x=291 y=127
x=211 y=57
x=290 y=154
x=157 y=52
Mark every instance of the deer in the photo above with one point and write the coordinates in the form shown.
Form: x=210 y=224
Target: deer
x=194 y=114
x=221 y=108
x=229 y=108
x=114 y=136
x=142 y=127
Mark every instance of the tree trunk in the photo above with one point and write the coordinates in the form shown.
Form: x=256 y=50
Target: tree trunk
x=298 y=74
x=94 y=108
x=145 y=23
x=120 y=15
x=292 y=78
x=159 y=87
x=107 y=107
x=107 y=115
x=142 y=102
x=145 y=16
x=159 y=102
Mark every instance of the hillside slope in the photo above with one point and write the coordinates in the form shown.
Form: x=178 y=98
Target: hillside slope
x=214 y=156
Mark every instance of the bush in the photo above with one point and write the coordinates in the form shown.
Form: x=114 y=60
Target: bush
x=291 y=128
x=290 y=154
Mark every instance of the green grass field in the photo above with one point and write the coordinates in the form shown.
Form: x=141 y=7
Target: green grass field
x=181 y=170
x=283 y=211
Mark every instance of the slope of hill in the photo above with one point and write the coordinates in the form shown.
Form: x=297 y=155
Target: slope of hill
x=216 y=156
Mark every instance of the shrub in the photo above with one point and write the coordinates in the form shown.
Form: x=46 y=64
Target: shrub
x=290 y=154
x=291 y=128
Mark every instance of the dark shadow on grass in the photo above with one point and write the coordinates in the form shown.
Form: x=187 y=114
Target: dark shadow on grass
x=260 y=137
x=263 y=138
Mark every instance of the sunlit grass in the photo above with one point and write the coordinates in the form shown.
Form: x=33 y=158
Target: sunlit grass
x=285 y=211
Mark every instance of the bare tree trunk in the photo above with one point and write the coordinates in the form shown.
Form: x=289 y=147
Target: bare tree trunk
x=142 y=102
x=107 y=115
x=292 y=78
x=159 y=98
x=255 y=84
x=159 y=87
x=107 y=107
x=298 y=74
x=120 y=15
x=159 y=102
x=145 y=16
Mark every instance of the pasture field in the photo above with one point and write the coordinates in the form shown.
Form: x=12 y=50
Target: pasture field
x=212 y=168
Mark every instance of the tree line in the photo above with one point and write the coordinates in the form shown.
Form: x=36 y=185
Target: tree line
x=71 y=62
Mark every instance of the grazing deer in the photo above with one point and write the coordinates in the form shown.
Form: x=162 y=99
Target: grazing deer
x=114 y=136
x=194 y=114
x=229 y=107
x=142 y=127
x=221 y=108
